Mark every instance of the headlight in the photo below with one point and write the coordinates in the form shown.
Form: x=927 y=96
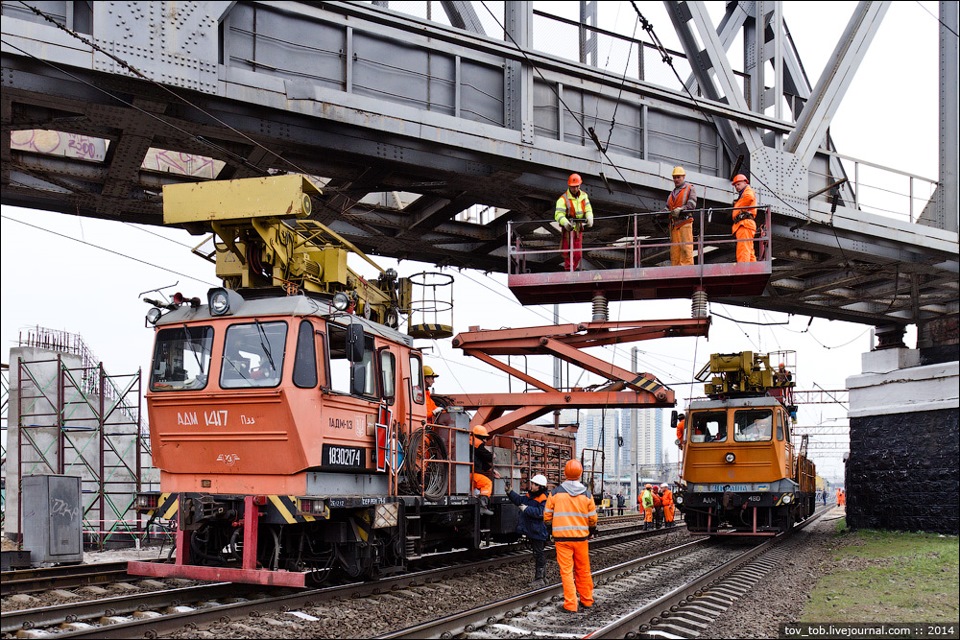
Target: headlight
x=147 y=501
x=341 y=301
x=787 y=498
x=730 y=457
x=678 y=499
x=222 y=301
x=153 y=315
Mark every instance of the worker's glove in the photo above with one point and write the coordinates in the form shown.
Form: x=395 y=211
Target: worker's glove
x=507 y=487
x=568 y=226
x=437 y=411
x=589 y=223
x=594 y=533
x=677 y=211
x=523 y=507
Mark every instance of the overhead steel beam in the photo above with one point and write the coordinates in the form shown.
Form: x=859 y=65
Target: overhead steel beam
x=813 y=123
x=690 y=18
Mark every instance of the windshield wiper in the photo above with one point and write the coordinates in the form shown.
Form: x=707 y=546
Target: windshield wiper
x=193 y=347
x=265 y=344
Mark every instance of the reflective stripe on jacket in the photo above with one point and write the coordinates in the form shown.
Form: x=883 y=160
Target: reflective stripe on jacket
x=570 y=209
x=572 y=515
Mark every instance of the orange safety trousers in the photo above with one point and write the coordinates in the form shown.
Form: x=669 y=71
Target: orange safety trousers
x=483 y=483
x=648 y=514
x=745 y=232
x=681 y=243
x=668 y=510
x=573 y=559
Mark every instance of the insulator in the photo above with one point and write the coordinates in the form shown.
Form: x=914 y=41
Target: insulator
x=600 y=308
x=699 y=305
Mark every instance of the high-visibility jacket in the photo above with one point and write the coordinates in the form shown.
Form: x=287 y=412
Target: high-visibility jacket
x=681 y=424
x=431 y=406
x=570 y=209
x=571 y=511
x=646 y=499
x=657 y=501
x=746 y=198
x=683 y=197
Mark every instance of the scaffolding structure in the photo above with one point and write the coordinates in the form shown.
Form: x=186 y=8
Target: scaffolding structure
x=72 y=418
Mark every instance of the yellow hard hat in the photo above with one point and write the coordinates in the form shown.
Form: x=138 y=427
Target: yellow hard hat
x=678 y=171
x=480 y=431
x=428 y=372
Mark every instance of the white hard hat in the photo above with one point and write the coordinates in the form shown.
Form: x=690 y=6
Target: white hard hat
x=665 y=485
x=539 y=479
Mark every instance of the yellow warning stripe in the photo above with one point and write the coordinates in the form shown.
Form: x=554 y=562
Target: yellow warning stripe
x=646 y=384
x=169 y=505
x=286 y=506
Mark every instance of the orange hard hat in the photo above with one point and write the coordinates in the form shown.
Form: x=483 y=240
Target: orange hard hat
x=574 y=180
x=737 y=178
x=480 y=431
x=572 y=470
x=782 y=365
x=648 y=486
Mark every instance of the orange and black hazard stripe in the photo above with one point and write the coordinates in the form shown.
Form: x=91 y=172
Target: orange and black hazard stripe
x=646 y=382
x=283 y=509
x=167 y=507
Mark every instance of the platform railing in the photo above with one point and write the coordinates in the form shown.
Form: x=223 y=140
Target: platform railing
x=527 y=240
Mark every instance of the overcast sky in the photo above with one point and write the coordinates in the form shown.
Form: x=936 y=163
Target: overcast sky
x=87 y=276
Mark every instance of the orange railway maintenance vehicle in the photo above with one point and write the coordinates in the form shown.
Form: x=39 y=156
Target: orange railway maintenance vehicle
x=287 y=410
x=742 y=473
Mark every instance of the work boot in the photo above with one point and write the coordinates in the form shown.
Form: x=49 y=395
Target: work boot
x=538 y=579
x=485 y=506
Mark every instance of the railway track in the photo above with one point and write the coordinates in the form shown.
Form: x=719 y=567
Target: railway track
x=160 y=612
x=60 y=577
x=698 y=582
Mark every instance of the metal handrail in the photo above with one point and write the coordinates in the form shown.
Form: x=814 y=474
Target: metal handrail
x=518 y=255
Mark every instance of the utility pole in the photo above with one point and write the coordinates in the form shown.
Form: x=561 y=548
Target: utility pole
x=634 y=418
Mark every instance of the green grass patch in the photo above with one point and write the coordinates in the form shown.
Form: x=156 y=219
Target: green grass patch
x=885 y=576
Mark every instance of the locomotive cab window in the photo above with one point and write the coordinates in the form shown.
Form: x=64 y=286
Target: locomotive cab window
x=388 y=373
x=416 y=377
x=305 y=359
x=753 y=426
x=181 y=359
x=253 y=355
x=709 y=427
x=351 y=369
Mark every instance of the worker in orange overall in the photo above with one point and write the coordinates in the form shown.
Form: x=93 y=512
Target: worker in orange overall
x=681 y=202
x=482 y=464
x=646 y=505
x=666 y=496
x=657 y=506
x=429 y=377
x=744 y=218
x=572 y=514
x=681 y=427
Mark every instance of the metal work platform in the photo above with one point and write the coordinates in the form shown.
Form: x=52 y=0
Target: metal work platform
x=647 y=273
